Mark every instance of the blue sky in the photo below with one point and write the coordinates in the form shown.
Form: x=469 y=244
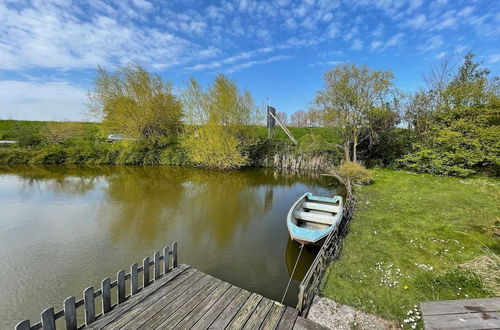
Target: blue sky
x=49 y=49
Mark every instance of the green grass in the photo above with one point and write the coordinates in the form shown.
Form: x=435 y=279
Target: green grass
x=405 y=220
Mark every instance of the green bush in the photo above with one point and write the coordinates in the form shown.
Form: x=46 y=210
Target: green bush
x=174 y=155
x=356 y=172
x=50 y=155
x=15 y=156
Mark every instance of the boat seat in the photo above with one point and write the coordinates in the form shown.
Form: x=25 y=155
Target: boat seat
x=314 y=217
x=321 y=207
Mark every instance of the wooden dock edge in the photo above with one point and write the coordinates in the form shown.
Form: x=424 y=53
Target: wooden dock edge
x=162 y=263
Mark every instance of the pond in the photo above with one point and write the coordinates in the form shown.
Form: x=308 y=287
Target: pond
x=65 y=228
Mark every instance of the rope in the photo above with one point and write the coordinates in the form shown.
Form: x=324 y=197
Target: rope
x=293 y=271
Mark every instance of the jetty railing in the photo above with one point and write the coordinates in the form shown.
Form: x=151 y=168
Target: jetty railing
x=329 y=251
x=162 y=263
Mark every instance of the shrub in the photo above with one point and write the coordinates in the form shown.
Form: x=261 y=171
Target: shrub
x=356 y=172
x=212 y=146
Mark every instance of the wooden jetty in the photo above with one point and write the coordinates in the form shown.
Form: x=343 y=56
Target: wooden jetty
x=462 y=314
x=170 y=297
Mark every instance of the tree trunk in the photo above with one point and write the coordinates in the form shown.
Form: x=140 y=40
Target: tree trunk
x=354 y=149
x=347 y=147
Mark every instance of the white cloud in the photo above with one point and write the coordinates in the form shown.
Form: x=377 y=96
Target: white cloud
x=248 y=64
x=441 y=54
x=54 y=36
x=376 y=44
x=327 y=17
x=357 y=44
x=417 y=22
x=231 y=59
x=31 y=100
x=494 y=58
x=431 y=43
x=379 y=30
x=395 y=40
x=414 y=4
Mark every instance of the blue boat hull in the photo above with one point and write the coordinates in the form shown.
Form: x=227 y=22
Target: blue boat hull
x=310 y=232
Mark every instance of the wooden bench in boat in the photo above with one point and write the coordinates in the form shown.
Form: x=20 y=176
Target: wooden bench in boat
x=314 y=217
x=321 y=207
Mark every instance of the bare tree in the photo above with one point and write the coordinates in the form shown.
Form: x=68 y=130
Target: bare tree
x=299 y=119
x=283 y=117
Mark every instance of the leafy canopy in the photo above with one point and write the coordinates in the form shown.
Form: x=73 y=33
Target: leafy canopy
x=463 y=134
x=220 y=120
x=134 y=102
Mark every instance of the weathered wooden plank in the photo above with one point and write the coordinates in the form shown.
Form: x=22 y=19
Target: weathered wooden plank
x=305 y=324
x=159 y=299
x=145 y=272
x=244 y=313
x=484 y=320
x=213 y=312
x=48 y=321
x=257 y=317
x=152 y=292
x=23 y=325
x=106 y=295
x=120 y=291
x=190 y=319
x=189 y=305
x=174 y=254
x=134 y=280
x=273 y=317
x=230 y=311
x=156 y=265
x=288 y=318
x=166 y=311
x=460 y=306
x=70 y=313
x=166 y=259
x=89 y=304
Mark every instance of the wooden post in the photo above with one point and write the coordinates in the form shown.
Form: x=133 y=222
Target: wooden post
x=174 y=255
x=48 y=321
x=89 y=304
x=120 y=279
x=106 y=295
x=23 y=325
x=134 y=280
x=157 y=265
x=70 y=313
x=166 y=259
x=145 y=278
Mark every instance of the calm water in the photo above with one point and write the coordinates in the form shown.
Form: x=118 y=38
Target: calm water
x=65 y=228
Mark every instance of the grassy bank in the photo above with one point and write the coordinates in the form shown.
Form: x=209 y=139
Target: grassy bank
x=409 y=241
x=88 y=146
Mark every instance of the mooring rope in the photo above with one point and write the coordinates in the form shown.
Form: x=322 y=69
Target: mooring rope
x=293 y=271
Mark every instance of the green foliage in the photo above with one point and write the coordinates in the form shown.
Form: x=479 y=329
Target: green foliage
x=464 y=135
x=136 y=103
x=220 y=121
x=359 y=103
x=15 y=155
x=356 y=172
x=392 y=145
x=213 y=146
x=27 y=135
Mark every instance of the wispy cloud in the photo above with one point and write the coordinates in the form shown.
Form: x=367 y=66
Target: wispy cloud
x=494 y=58
x=248 y=64
x=230 y=60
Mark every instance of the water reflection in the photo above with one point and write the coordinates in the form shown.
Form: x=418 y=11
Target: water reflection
x=65 y=227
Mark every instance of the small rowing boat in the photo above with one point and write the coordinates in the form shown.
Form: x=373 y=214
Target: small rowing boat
x=312 y=218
